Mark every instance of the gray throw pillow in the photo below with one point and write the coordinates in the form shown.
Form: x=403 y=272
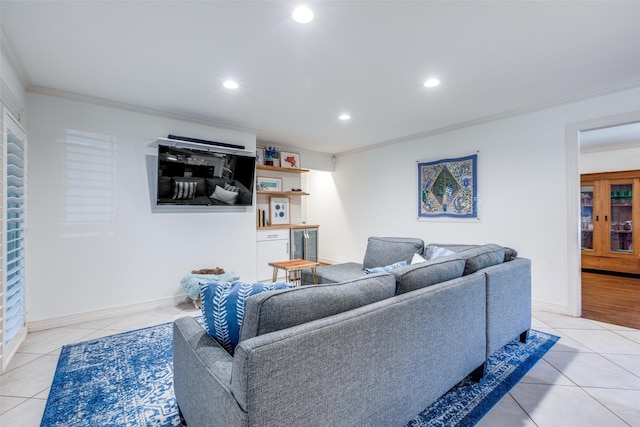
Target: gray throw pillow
x=510 y=254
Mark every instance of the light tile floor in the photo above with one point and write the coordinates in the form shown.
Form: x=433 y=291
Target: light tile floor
x=591 y=377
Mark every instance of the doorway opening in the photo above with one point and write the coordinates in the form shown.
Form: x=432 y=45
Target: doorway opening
x=609 y=257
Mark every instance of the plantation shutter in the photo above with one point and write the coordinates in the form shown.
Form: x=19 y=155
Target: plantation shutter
x=14 y=323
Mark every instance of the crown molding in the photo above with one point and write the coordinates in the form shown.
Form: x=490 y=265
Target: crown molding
x=500 y=116
x=41 y=90
x=10 y=54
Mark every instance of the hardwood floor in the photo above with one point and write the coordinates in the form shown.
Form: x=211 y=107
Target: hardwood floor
x=611 y=299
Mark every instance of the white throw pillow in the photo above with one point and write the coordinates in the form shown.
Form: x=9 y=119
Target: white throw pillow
x=417 y=259
x=228 y=197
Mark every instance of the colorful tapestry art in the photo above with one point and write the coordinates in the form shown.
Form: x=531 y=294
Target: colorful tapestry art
x=447 y=188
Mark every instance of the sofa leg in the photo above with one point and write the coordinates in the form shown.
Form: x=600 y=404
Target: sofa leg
x=524 y=336
x=478 y=373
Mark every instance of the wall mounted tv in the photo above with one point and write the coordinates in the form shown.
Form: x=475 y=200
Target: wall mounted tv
x=203 y=175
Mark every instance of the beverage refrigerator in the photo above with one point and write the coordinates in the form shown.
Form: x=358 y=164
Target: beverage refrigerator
x=304 y=243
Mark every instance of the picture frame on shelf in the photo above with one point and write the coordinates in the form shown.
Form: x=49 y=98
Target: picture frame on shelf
x=268 y=184
x=260 y=155
x=279 y=210
x=289 y=160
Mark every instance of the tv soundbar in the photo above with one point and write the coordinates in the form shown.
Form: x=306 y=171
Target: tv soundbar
x=205 y=142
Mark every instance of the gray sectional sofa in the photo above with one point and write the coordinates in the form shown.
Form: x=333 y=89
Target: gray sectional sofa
x=369 y=350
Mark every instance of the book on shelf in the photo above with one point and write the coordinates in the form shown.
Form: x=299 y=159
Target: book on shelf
x=262 y=218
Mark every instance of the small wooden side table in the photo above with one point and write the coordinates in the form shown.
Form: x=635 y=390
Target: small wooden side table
x=293 y=269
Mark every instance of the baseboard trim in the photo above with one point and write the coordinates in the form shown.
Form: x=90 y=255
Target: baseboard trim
x=90 y=316
x=537 y=305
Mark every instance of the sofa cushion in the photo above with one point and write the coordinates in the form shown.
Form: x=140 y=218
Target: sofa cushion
x=223 y=308
x=165 y=185
x=335 y=273
x=387 y=250
x=481 y=257
x=385 y=269
x=273 y=311
x=427 y=273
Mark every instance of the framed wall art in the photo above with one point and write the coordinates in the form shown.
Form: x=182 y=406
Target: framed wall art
x=289 y=160
x=268 y=184
x=279 y=210
x=448 y=188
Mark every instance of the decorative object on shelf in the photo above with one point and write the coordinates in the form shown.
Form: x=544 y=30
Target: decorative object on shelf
x=279 y=210
x=289 y=160
x=270 y=153
x=268 y=184
x=448 y=187
x=260 y=155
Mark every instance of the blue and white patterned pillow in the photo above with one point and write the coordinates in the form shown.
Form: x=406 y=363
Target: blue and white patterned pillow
x=223 y=308
x=385 y=269
x=438 y=252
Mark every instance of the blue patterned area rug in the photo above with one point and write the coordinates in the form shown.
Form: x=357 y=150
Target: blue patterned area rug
x=127 y=380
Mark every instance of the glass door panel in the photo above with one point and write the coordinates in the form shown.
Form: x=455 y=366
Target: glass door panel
x=621 y=225
x=586 y=212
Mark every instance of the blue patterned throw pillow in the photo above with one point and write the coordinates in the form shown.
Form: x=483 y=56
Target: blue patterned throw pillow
x=223 y=308
x=385 y=269
x=438 y=252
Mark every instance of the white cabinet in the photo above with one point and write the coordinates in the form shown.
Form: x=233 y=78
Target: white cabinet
x=272 y=245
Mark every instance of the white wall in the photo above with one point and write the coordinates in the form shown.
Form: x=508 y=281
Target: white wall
x=136 y=256
x=621 y=159
x=93 y=252
x=523 y=185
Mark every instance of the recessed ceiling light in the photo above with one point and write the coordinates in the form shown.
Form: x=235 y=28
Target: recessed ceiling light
x=302 y=15
x=344 y=117
x=431 y=83
x=230 y=84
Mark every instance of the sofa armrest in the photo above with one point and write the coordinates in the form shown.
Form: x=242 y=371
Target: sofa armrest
x=508 y=302
x=202 y=377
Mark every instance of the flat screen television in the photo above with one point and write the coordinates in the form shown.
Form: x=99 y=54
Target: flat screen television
x=204 y=175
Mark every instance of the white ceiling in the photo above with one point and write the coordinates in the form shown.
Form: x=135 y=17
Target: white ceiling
x=363 y=57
